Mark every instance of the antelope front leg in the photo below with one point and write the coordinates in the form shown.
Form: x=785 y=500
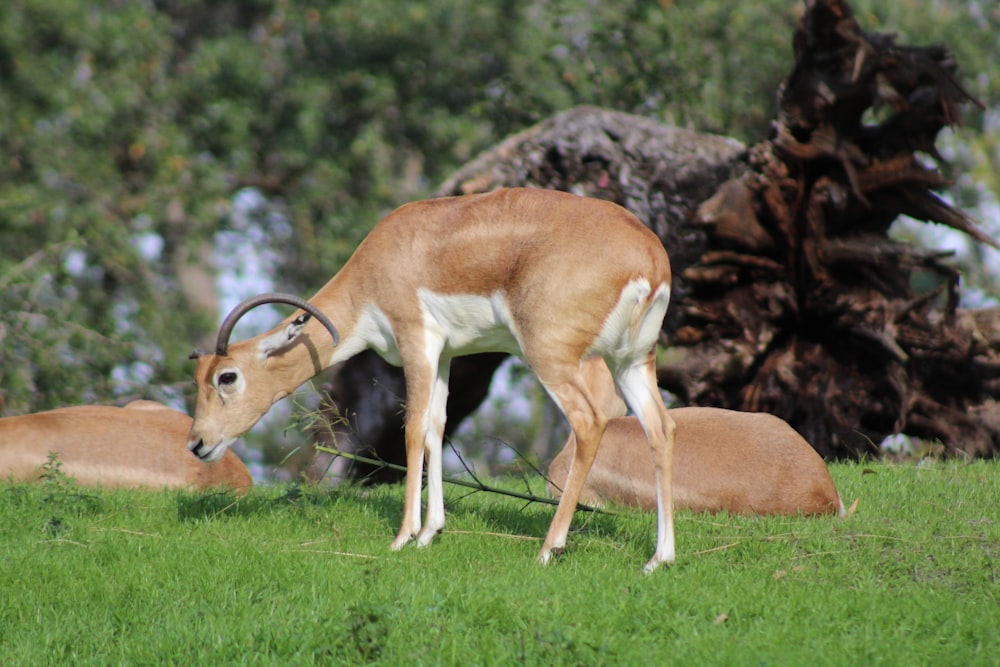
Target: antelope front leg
x=426 y=400
x=433 y=437
x=414 y=474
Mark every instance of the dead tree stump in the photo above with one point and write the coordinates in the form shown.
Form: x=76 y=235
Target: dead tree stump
x=789 y=295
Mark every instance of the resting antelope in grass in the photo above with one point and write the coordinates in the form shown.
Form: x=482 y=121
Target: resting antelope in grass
x=724 y=460
x=549 y=276
x=143 y=444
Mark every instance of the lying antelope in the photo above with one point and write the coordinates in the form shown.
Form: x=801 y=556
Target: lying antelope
x=140 y=445
x=546 y=275
x=741 y=462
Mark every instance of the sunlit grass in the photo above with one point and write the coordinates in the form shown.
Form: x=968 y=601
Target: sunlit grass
x=301 y=575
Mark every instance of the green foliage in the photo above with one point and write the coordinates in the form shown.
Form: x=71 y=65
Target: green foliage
x=305 y=576
x=127 y=128
x=63 y=497
x=55 y=481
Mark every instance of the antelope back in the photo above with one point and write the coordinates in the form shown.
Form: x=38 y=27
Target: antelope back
x=740 y=462
x=142 y=445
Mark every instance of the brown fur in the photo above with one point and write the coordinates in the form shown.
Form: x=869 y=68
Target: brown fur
x=740 y=462
x=141 y=445
x=565 y=279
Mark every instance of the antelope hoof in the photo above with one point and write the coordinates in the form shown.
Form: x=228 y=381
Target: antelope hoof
x=400 y=541
x=655 y=563
x=426 y=537
x=545 y=557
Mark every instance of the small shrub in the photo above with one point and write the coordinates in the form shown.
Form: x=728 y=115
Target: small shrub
x=62 y=494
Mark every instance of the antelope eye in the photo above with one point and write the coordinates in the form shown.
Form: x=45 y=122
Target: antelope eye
x=227 y=378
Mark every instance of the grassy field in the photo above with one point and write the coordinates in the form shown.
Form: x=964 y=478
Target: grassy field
x=291 y=575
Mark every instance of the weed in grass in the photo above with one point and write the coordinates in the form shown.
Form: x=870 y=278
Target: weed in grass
x=63 y=495
x=54 y=526
x=55 y=480
x=366 y=630
x=558 y=647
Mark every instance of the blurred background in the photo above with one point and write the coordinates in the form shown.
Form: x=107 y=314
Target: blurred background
x=162 y=160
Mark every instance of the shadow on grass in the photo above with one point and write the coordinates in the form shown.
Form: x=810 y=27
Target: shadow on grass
x=502 y=514
x=519 y=517
x=226 y=504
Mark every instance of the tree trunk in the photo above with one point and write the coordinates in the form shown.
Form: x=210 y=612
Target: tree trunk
x=789 y=296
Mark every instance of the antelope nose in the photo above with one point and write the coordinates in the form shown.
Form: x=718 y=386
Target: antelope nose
x=196 y=448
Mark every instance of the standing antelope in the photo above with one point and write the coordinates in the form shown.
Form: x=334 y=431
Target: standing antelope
x=546 y=275
x=740 y=462
x=140 y=445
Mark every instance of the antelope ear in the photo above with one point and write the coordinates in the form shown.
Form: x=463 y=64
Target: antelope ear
x=283 y=338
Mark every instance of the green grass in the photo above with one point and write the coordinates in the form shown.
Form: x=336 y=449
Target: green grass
x=304 y=576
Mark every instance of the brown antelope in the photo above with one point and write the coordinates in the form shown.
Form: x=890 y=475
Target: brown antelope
x=549 y=276
x=143 y=444
x=741 y=462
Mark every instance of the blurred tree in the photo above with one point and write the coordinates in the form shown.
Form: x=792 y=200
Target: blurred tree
x=126 y=129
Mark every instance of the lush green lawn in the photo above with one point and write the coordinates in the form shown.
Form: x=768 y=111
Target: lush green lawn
x=293 y=576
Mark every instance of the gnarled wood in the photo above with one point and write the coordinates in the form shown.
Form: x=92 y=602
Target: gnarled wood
x=588 y=151
x=789 y=296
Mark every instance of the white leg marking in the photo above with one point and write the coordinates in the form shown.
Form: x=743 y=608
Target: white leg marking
x=633 y=383
x=433 y=436
x=665 y=547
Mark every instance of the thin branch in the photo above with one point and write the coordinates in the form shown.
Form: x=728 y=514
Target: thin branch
x=465 y=464
x=509 y=536
x=478 y=486
x=346 y=554
x=714 y=549
x=62 y=540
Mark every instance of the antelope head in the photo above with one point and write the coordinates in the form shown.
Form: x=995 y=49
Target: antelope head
x=239 y=383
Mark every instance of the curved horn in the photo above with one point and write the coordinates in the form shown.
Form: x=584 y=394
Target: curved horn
x=222 y=343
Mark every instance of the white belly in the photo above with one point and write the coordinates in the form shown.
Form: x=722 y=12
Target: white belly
x=469 y=324
x=459 y=324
